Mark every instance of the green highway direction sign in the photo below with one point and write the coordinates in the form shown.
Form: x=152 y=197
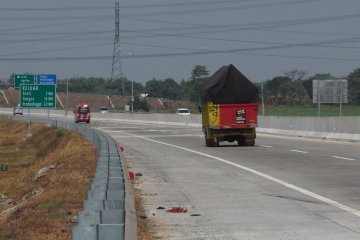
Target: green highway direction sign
x=38 y=96
x=24 y=79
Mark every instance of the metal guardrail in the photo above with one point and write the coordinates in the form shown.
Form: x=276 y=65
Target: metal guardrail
x=109 y=211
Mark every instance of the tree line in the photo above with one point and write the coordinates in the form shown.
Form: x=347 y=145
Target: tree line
x=294 y=88
x=290 y=89
x=168 y=88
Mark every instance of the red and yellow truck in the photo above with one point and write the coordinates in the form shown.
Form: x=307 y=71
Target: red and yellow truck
x=229 y=108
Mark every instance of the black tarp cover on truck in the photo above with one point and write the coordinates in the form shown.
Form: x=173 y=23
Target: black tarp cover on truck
x=228 y=86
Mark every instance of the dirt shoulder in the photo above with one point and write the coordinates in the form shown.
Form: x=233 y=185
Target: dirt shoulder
x=44 y=180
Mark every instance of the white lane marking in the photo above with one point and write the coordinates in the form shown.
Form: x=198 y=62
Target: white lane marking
x=266 y=176
x=298 y=151
x=155 y=136
x=345 y=158
x=267 y=146
x=117 y=128
x=152 y=136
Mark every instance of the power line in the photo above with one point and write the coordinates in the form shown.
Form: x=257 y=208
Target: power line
x=205 y=8
x=272 y=24
x=196 y=26
x=58 y=37
x=57 y=33
x=57 y=49
x=147 y=6
x=252 y=26
x=144 y=56
x=52 y=9
x=218 y=28
x=188 y=10
x=53 y=18
x=262 y=26
x=186 y=4
x=273 y=43
x=176 y=48
x=129 y=6
x=279 y=45
x=51 y=25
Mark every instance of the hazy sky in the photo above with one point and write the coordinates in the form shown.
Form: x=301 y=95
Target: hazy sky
x=262 y=38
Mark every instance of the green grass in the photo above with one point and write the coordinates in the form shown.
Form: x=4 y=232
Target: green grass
x=312 y=111
x=51 y=204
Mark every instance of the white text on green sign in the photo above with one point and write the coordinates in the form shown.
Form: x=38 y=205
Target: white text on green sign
x=24 y=79
x=38 y=96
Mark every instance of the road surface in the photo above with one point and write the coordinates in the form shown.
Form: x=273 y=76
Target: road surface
x=282 y=188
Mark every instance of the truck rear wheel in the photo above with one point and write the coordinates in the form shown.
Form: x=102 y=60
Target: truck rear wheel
x=250 y=142
x=215 y=142
x=211 y=142
x=240 y=140
x=207 y=142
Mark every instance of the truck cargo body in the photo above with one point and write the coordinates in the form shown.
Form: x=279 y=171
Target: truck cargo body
x=229 y=122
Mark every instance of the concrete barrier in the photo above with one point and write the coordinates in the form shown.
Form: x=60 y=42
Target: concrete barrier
x=330 y=128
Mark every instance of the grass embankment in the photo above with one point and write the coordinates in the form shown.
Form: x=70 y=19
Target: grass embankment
x=46 y=182
x=312 y=111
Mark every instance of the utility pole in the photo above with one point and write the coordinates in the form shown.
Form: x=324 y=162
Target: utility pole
x=116 y=68
x=262 y=99
x=132 y=81
x=318 y=97
x=67 y=97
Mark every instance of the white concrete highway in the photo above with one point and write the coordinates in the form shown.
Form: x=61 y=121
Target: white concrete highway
x=283 y=188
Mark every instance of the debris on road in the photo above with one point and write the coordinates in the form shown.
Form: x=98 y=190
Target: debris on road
x=131 y=176
x=177 y=210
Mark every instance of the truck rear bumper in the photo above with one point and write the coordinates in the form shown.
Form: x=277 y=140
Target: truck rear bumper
x=230 y=135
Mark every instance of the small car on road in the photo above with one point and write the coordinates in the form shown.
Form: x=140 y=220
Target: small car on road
x=104 y=110
x=18 y=111
x=183 y=111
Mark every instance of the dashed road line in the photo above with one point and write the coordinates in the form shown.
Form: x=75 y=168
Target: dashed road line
x=345 y=158
x=267 y=146
x=264 y=175
x=298 y=151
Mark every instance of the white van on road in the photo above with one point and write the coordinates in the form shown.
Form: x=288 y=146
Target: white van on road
x=183 y=111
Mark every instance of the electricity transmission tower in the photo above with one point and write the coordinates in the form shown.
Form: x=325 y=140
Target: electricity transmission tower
x=116 y=68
